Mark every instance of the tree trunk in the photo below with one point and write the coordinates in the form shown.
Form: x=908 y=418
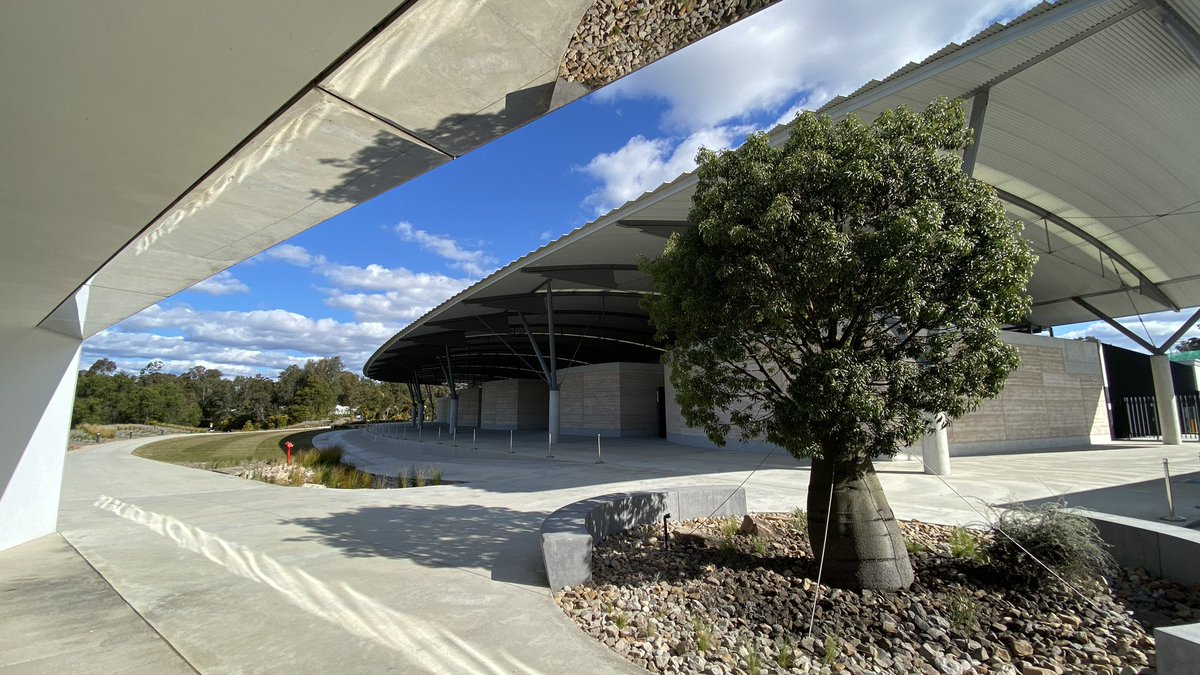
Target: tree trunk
x=864 y=548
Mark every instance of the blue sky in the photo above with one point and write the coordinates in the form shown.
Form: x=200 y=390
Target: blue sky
x=345 y=286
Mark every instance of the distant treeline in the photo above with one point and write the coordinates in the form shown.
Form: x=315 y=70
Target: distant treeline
x=203 y=396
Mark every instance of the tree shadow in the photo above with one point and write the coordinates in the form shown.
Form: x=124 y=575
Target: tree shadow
x=392 y=159
x=1144 y=499
x=503 y=542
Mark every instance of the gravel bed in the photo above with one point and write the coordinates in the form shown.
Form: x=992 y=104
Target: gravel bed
x=617 y=37
x=720 y=602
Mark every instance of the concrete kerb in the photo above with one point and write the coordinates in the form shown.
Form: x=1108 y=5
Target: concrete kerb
x=570 y=533
x=1165 y=551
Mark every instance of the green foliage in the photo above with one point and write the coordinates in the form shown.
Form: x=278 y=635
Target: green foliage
x=800 y=520
x=831 y=650
x=1066 y=542
x=836 y=289
x=962 y=613
x=965 y=545
x=730 y=527
x=703 y=634
x=203 y=396
x=759 y=545
x=913 y=546
x=785 y=653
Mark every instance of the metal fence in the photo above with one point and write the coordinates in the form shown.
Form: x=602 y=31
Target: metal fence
x=1142 y=415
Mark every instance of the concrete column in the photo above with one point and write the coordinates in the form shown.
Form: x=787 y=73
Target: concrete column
x=453 y=421
x=553 y=415
x=935 y=449
x=1164 y=396
x=38 y=370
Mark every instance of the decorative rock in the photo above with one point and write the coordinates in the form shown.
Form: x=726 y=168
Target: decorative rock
x=746 y=605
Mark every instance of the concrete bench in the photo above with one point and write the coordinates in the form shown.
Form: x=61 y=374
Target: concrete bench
x=570 y=533
x=1169 y=552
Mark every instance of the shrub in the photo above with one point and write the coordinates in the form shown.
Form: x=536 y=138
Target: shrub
x=915 y=546
x=962 y=613
x=1066 y=542
x=249 y=426
x=964 y=545
x=800 y=520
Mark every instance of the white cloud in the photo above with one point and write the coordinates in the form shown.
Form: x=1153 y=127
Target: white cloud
x=1160 y=326
x=261 y=341
x=807 y=50
x=643 y=164
x=382 y=300
x=296 y=255
x=222 y=283
x=472 y=261
x=813 y=49
x=392 y=294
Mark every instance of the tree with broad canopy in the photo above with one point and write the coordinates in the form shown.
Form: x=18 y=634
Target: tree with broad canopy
x=833 y=296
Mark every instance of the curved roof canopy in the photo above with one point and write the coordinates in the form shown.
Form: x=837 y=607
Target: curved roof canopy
x=1085 y=114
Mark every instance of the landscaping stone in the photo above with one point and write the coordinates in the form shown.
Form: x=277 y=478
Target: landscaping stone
x=616 y=37
x=958 y=617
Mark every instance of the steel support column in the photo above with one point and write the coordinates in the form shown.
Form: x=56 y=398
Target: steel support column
x=553 y=421
x=978 y=112
x=453 y=421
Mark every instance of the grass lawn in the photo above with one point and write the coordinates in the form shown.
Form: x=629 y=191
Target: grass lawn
x=228 y=449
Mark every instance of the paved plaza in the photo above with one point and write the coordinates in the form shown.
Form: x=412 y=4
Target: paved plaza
x=160 y=568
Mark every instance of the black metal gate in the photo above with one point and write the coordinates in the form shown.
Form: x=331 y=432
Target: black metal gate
x=1141 y=412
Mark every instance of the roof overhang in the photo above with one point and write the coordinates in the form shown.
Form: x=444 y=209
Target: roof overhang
x=1088 y=135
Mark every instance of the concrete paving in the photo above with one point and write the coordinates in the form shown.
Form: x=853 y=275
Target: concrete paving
x=222 y=574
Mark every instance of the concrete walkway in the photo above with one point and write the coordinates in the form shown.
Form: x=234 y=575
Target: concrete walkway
x=185 y=568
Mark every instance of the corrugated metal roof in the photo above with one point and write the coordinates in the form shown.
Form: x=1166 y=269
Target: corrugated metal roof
x=1091 y=119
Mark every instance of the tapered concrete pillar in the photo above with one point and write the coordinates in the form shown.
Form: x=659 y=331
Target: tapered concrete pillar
x=1164 y=396
x=935 y=449
x=453 y=421
x=553 y=415
x=37 y=393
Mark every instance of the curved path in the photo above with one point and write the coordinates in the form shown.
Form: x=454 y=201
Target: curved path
x=239 y=576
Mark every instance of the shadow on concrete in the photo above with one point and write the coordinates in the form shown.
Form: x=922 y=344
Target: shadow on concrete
x=501 y=541
x=1145 y=499
x=391 y=158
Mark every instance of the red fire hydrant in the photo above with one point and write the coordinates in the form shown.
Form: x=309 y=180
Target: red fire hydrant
x=288 y=445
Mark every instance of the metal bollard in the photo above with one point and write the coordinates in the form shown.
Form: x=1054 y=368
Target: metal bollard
x=1171 y=517
x=550 y=445
x=510 y=444
x=439 y=435
x=473 y=446
x=599 y=457
x=454 y=437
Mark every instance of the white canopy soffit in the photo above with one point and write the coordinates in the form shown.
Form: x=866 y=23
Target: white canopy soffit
x=1086 y=120
x=138 y=128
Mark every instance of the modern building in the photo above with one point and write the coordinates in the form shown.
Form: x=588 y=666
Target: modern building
x=1084 y=121
x=147 y=147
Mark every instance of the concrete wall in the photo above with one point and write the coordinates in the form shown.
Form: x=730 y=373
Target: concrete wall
x=468 y=407
x=1054 y=399
x=514 y=404
x=38 y=370
x=611 y=399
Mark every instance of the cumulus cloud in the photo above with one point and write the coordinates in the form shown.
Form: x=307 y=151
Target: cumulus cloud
x=643 y=164
x=374 y=292
x=474 y=262
x=261 y=341
x=788 y=57
x=813 y=49
x=222 y=283
x=1159 y=326
x=381 y=300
